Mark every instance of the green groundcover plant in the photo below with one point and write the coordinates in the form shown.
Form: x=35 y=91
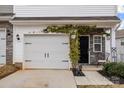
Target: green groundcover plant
x=114 y=69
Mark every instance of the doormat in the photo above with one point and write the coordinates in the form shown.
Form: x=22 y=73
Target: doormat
x=77 y=72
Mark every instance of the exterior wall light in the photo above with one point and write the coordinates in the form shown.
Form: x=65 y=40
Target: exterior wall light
x=104 y=35
x=17 y=37
x=8 y=33
x=45 y=31
x=73 y=36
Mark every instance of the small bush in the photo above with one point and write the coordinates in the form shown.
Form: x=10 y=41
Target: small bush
x=7 y=69
x=120 y=70
x=108 y=66
x=114 y=69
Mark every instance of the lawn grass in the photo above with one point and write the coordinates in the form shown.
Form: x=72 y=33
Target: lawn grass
x=102 y=86
x=7 y=70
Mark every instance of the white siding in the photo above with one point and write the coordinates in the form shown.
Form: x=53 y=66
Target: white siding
x=120 y=50
x=63 y=10
x=2 y=46
x=6 y=9
x=18 y=45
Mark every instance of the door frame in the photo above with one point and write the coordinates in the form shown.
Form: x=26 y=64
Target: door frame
x=88 y=47
x=46 y=34
x=5 y=30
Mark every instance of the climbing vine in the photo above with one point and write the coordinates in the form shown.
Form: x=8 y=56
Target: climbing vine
x=74 y=30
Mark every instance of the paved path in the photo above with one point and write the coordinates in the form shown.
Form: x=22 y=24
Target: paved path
x=91 y=68
x=39 y=78
x=92 y=78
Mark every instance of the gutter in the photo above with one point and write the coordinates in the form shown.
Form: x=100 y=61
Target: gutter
x=117 y=26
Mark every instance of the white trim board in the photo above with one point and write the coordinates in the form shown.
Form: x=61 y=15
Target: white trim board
x=96 y=43
x=98 y=23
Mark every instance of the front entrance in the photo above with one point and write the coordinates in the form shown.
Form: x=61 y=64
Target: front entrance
x=84 y=47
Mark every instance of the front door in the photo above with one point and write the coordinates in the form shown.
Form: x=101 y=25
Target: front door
x=84 y=47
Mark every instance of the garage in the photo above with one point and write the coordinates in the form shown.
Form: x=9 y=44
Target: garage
x=2 y=46
x=47 y=51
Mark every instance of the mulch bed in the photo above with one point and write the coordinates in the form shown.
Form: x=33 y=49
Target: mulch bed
x=7 y=70
x=77 y=72
x=114 y=79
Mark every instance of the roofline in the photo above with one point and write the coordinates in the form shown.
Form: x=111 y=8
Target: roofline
x=120 y=30
x=6 y=14
x=69 y=18
x=119 y=37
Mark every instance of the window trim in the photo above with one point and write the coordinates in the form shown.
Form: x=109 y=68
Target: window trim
x=96 y=43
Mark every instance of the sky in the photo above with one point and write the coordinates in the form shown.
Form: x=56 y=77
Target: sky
x=121 y=15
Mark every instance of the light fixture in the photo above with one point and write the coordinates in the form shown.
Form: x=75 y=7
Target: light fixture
x=108 y=37
x=8 y=32
x=73 y=36
x=17 y=37
x=45 y=30
x=104 y=35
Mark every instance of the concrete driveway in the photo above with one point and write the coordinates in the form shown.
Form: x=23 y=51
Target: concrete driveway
x=39 y=79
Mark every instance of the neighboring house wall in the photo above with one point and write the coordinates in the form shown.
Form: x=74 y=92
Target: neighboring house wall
x=6 y=12
x=68 y=11
x=120 y=45
x=9 y=41
x=120 y=49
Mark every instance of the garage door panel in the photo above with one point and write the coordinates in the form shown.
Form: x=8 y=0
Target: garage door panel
x=47 y=52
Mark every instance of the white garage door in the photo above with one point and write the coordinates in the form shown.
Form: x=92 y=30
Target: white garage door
x=2 y=47
x=46 y=51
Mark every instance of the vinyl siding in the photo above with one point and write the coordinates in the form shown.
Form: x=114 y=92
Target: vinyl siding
x=120 y=49
x=63 y=10
x=6 y=9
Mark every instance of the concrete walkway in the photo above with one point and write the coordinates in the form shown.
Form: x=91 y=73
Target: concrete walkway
x=92 y=78
x=91 y=68
x=39 y=79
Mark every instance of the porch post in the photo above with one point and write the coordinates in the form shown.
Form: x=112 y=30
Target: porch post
x=113 y=44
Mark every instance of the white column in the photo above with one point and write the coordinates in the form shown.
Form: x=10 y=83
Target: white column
x=107 y=45
x=113 y=44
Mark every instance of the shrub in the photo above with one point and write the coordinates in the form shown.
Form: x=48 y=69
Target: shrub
x=120 y=70
x=7 y=69
x=108 y=66
x=114 y=69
